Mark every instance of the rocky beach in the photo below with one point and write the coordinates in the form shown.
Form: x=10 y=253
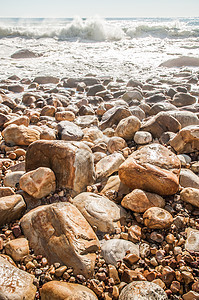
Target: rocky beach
x=99 y=195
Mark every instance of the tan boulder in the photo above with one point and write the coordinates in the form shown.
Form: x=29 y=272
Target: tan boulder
x=113 y=116
x=187 y=140
x=48 y=110
x=190 y=195
x=11 y=208
x=127 y=127
x=157 y=218
x=139 y=201
x=20 y=135
x=192 y=241
x=38 y=183
x=65 y=116
x=17 y=248
x=60 y=233
x=56 y=290
x=189 y=179
x=116 y=143
x=152 y=168
x=72 y=162
x=15 y=284
x=99 y=211
x=24 y=120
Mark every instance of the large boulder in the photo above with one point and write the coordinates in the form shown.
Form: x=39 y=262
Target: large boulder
x=60 y=233
x=183 y=99
x=99 y=211
x=15 y=284
x=187 y=140
x=109 y=164
x=186 y=118
x=20 y=135
x=142 y=290
x=57 y=290
x=38 y=183
x=11 y=208
x=127 y=127
x=152 y=168
x=72 y=162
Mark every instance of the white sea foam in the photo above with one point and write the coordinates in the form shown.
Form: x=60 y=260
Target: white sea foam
x=97 y=29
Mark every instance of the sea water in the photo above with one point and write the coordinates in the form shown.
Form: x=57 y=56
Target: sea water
x=121 y=48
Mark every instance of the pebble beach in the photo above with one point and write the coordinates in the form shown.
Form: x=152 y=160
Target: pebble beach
x=99 y=194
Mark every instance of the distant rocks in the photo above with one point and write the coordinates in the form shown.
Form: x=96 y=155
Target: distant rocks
x=25 y=53
x=183 y=61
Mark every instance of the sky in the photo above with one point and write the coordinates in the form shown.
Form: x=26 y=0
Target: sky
x=102 y=8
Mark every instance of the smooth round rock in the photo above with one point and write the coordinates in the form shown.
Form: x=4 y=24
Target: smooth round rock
x=116 y=143
x=142 y=290
x=157 y=218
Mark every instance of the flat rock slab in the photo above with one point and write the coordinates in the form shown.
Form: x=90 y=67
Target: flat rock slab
x=152 y=168
x=72 y=162
x=15 y=284
x=60 y=233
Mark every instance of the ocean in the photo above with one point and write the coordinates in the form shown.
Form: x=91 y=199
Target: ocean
x=121 y=48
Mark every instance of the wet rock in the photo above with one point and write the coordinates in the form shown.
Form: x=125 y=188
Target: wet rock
x=127 y=127
x=46 y=79
x=25 y=53
x=152 y=168
x=69 y=131
x=192 y=241
x=161 y=123
x=190 y=195
x=60 y=233
x=15 y=283
x=11 y=208
x=181 y=61
x=157 y=218
x=20 y=135
x=187 y=140
x=142 y=137
x=142 y=290
x=109 y=164
x=56 y=290
x=140 y=201
x=189 y=179
x=183 y=99
x=17 y=248
x=99 y=211
x=38 y=183
x=114 y=250
x=72 y=162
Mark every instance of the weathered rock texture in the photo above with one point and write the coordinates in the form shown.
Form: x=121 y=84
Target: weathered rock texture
x=60 y=233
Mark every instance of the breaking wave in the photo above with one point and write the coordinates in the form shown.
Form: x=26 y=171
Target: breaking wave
x=96 y=29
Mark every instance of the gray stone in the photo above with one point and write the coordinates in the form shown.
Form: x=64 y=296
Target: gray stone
x=114 y=250
x=109 y=164
x=68 y=131
x=192 y=241
x=143 y=137
x=189 y=179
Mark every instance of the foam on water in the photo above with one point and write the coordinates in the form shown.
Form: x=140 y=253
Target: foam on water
x=116 y=47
